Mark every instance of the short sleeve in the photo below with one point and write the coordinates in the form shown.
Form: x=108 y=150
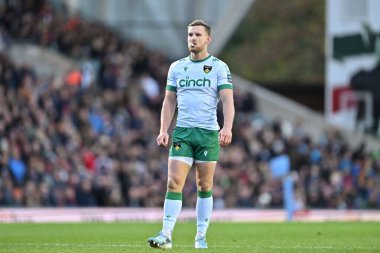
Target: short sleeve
x=171 y=83
x=224 y=78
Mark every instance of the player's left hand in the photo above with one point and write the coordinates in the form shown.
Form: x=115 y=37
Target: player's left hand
x=225 y=137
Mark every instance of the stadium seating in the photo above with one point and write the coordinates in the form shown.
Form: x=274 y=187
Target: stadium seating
x=93 y=144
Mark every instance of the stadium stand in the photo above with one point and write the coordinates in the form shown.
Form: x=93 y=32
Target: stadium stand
x=92 y=143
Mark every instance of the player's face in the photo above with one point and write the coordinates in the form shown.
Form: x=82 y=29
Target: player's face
x=197 y=39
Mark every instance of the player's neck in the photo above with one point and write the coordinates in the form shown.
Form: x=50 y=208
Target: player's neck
x=199 y=56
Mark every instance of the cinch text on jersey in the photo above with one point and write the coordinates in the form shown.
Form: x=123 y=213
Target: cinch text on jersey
x=192 y=82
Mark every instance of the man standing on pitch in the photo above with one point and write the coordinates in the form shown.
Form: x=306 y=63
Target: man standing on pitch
x=194 y=84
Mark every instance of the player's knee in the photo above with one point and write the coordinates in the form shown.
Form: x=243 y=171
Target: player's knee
x=174 y=184
x=204 y=185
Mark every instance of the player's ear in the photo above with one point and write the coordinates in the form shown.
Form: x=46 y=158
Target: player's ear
x=209 y=40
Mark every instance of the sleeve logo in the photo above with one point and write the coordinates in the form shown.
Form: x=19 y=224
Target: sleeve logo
x=229 y=78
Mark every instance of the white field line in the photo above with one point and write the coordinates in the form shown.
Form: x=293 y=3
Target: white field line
x=348 y=248
x=129 y=245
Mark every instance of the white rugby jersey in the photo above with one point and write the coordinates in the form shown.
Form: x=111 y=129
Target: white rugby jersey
x=197 y=84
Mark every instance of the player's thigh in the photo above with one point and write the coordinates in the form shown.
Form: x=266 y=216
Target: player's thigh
x=177 y=173
x=205 y=175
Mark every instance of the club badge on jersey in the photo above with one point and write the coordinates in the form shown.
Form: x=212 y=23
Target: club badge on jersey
x=207 y=69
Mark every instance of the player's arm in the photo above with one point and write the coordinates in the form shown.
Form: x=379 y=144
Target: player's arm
x=225 y=134
x=167 y=113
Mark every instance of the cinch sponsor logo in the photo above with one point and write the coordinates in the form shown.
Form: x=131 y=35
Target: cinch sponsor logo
x=192 y=82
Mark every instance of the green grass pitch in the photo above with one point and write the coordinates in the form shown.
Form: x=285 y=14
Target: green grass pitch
x=222 y=237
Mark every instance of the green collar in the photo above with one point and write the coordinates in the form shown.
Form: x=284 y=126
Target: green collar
x=201 y=59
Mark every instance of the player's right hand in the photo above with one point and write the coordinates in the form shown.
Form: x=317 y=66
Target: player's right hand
x=163 y=139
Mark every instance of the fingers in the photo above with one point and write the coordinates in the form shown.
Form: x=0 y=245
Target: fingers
x=160 y=141
x=163 y=140
x=224 y=139
x=225 y=142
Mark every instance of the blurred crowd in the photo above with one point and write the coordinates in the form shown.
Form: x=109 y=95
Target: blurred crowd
x=92 y=141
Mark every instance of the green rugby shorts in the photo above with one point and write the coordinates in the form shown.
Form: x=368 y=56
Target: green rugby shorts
x=198 y=143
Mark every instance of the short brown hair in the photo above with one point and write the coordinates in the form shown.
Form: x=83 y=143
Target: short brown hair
x=201 y=23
